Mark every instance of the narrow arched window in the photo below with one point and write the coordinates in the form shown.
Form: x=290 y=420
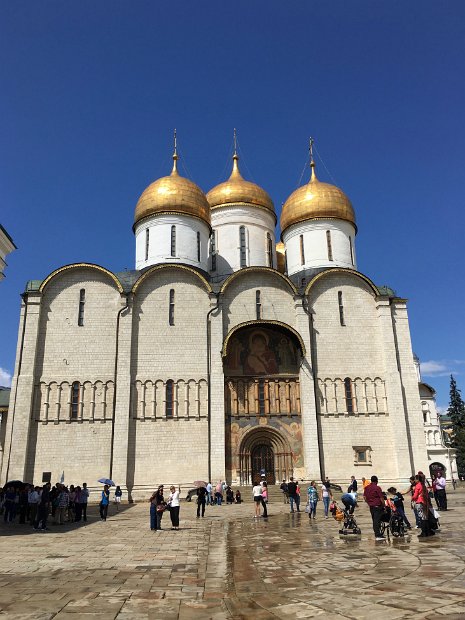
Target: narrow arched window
x=285 y=261
x=304 y=282
x=75 y=390
x=171 y=308
x=258 y=305
x=351 y=251
x=82 y=303
x=169 y=400
x=341 y=308
x=302 y=250
x=147 y=241
x=213 y=250
x=198 y=247
x=328 y=243
x=173 y=240
x=261 y=396
x=348 y=395
x=242 y=246
x=269 y=250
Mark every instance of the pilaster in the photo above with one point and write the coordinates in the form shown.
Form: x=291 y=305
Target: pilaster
x=217 y=413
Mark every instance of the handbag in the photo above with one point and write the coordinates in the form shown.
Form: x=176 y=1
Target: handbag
x=307 y=508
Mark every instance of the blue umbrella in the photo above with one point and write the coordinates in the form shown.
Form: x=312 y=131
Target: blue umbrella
x=107 y=481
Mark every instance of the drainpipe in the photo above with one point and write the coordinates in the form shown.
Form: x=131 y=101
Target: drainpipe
x=209 y=362
x=313 y=362
x=23 y=332
x=118 y=316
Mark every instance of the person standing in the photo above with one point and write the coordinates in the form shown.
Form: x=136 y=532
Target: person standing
x=326 y=496
x=312 y=494
x=118 y=494
x=44 y=508
x=264 y=495
x=33 y=499
x=158 y=501
x=78 y=505
x=84 y=500
x=104 y=501
x=373 y=496
x=219 y=493
x=422 y=503
x=441 y=491
x=63 y=506
x=284 y=489
x=209 y=494
x=257 y=498
x=173 y=503
x=293 y=495
x=202 y=495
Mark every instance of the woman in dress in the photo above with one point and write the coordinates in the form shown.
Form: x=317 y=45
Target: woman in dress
x=173 y=504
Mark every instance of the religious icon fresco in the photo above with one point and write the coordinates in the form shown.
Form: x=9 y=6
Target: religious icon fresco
x=260 y=351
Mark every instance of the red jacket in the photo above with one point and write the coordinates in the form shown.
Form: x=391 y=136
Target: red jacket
x=418 y=495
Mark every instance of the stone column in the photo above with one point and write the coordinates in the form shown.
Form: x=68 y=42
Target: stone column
x=22 y=392
x=307 y=399
x=123 y=396
x=217 y=413
x=410 y=383
x=395 y=401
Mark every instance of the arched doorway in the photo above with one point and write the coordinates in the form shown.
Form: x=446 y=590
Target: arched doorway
x=264 y=451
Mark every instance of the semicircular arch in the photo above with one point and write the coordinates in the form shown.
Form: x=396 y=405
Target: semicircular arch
x=65 y=268
x=264 y=434
x=263 y=323
x=157 y=268
x=247 y=270
x=341 y=270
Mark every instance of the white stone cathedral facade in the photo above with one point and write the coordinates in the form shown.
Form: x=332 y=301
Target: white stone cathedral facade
x=223 y=355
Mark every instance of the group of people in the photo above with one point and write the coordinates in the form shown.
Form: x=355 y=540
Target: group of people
x=292 y=495
x=158 y=506
x=36 y=504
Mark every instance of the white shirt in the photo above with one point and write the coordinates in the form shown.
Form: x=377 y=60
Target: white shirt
x=324 y=491
x=257 y=490
x=33 y=497
x=441 y=483
x=173 y=499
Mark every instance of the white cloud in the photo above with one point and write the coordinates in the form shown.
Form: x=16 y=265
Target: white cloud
x=434 y=369
x=5 y=378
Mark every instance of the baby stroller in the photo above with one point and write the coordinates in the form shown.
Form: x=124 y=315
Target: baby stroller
x=347 y=520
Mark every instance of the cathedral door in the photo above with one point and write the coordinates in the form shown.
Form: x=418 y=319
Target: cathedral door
x=263 y=463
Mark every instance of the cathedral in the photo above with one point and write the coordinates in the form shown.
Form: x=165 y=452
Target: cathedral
x=223 y=355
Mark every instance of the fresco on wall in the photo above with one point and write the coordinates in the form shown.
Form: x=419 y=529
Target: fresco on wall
x=259 y=351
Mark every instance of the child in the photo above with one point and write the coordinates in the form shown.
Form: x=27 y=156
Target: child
x=118 y=494
x=398 y=501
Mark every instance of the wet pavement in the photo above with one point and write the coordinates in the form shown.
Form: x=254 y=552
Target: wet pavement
x=229 y=565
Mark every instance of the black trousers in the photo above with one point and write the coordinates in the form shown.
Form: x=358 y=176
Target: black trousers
x=265 y=511
x=441 y=499
x=84 y=511
x=376 y=514
x=103 y=511
x=199 y=504
x=174 y=514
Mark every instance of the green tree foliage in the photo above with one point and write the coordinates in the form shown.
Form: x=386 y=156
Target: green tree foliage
x=456 y=411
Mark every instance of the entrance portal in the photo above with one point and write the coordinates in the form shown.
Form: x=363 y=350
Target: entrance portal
x=263 y=463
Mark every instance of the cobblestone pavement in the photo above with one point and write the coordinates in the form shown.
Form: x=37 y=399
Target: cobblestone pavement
x=229 y=565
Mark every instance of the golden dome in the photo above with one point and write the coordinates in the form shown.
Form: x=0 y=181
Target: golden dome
x=316 y=200
x=236 y=190
x=281 y=257
x=173 y=194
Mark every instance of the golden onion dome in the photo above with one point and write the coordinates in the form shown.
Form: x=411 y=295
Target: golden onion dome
x=316 y=200
x=281 y=256
x=173 y=194
x=236 y=190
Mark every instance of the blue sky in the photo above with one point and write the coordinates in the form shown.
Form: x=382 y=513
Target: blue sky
x=91 y=92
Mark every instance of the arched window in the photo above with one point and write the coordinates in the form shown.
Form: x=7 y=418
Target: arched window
x=198 y=247
x=169 y=400
x=341 y=308
x=213 y=250
x=348 y=395
x=173 y=240
x=258 y=305
x=269 y=250
x=75 y=392
x=243 y=246
x=147 y=241
x=302 y=250
x=261 y=396
x=82 y=303
x=171 y=308
x=351 y=251
x=328 y=243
